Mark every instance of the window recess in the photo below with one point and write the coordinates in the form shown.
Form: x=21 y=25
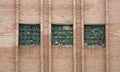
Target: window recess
x=94 y=35
x=62 y=35
x=29 y=35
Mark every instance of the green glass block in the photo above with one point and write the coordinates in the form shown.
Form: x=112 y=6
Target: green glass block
x=29 y=35
x=94 y=35
x=62 y=34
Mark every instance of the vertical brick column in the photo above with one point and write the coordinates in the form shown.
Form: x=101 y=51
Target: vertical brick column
x=79 y=36
x=82 y=36
x=29 y=56
x=74 y=36
x=107 y=36
x=16 y=42
x=45 y=35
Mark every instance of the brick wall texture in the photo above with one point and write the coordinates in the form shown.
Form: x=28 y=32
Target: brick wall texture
x=48 y=58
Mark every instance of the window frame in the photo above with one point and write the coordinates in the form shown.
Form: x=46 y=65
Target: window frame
x=61 y=25
x=104 y=35
x=35 y=29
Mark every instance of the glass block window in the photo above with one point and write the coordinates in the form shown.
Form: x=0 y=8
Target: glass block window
x=94 y=35
x=62 y=35
x=29 y=35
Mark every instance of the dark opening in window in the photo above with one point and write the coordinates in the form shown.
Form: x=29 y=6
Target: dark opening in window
x=94 y=35
x=62 y=35
x=29 y=35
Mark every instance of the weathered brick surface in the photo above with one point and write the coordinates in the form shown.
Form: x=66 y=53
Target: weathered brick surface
x=7 y=35
x=29 y=59
x=114 y=35
x=94 y=11
x=62 y=59
x=114 y=44
x=7 y=59
x=62 y=12
x=29 y=11
x=94 y=59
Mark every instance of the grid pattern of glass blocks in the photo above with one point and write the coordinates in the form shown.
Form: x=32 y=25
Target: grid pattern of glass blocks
x=62 y=35
x=94 y=35
x=29 y=35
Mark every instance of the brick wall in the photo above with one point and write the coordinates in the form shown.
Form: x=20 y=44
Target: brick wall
x=29 y=59
x=7 y=35
x=45 y=58
x=114 y=35
x=94 y=13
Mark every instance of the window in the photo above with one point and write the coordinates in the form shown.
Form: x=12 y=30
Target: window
x=29 y=35
x=62 y=35
x=94 y=35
